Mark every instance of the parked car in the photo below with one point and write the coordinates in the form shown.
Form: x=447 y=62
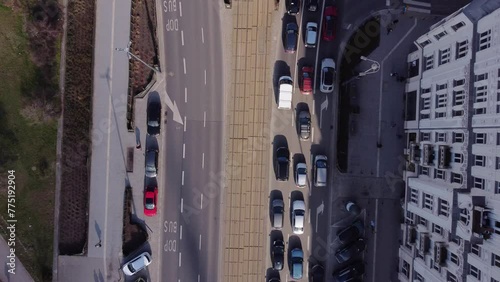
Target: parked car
x=282 y=163
x=296 y=263
x=292 y=7
x=311 y=34
x=330 y=17
x=348 y=251
x=278 y=254
x=317 y=273
x=304 y=125
x=320 y=170
x=306 y=81
x=301 y=175
x=274 y=279
x=277 y=213
x=351 y=232
x=137 y=264
x=349 y=273
x=154 y=118
x=151 y=163
x=312 y=5
x=291 y=37
x=227 y=3
x=150 y=200
x=352 y=208
x=298 y=216
x=327 y=75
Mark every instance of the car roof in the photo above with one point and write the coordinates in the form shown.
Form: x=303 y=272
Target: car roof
x=299 y=205
x=297 y=253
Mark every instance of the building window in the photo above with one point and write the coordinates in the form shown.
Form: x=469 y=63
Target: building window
x=484 y=40
x=437 y=229
x=456 y=178
x=481 y=94
x=454 y=259
x=457 y=113
x=441 y=86
x=458 y=158
x=476 y=249
x=424 y=116
x=480 y=138
x=480 y=111
x=444 y=207
x=458 y=137
x=441 y=34
x=417 y=277
x=440 y=174
x=498 y=138
x=458 y=97
x=497 y=163
x=457 y=240
x=409 y=217
x=475 y=272
x=440 y=137
x=429 y=62
x=425 y=90
x=440 y=115
x=458 y=82
x=478 y=183
x=441 y=100
x=450 y=277
x=428 y=201
x=426 y=103
x=497 y=187
x=422 y=221
x=444 y=56
x=480 y=77
x=457 y=26
x=405 y=269
x=498 y=108
x=414 y=196
x=462 y=48
x=423 y=170
x=425 y=43
x=495 y=260
x=497 y=227
x=479 y=160
x=425 y=136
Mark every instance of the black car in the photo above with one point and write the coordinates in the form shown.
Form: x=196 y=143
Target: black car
x=154 y=118
x=350 y=273
x=312 y=5
x=317 y=273
x=291 y=37
x=351 y=232
x=349 y=251
x=282 y=163
x=292 y=7
x=278 y=254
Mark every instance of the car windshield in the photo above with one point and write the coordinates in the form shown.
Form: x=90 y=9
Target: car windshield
x=153 y=123
x=278 y=209
x=329 y=74
x=301 y=171
x=299 y=212
x=150 y=204
x=329 y=25
x=321 y=164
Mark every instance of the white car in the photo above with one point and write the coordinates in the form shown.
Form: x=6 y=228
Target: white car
x=137 y=264
x=301 y=175
x=311 y=34
x=328 y=74
x=298 y=216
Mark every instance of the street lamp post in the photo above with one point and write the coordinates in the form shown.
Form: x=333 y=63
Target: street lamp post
x=130 y=55
x=375 y=67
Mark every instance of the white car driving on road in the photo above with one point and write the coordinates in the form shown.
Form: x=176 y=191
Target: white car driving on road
x=328 y=74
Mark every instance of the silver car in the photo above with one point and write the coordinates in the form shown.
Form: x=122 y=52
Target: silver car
x=301 y=175
x=298 y=216
x=311 y=34
x=328 y=74
x=137 y=264
x=151 y=163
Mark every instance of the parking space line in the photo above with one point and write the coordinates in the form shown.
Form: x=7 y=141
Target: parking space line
x=182 y=205
x=182 y=180
x=308 y=243
x=312 y=136
x=314 y=108
x=293 y=125
x=182 y=37
x=184 y=150
x=203 y=160
x=180 y=8
x=309 y=217
x=185 y=124
x=201 y=202
x=205 y=77
x=180 y=232
x=180 y=260
x=184 y=63
x=205 y=119
x=185 y=95
x=202 y=36
x=199 y=244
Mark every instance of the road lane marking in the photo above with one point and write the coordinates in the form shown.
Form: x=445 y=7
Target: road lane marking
x=312 y=138
x=202 y=35
x=199 y=244
x=180 y=8
x=201 y=202
x=184 y=123
x=180 y=260
x=181 y=232
x=182 y=180
x=205 y=77
x=314 y=106
x=182 y=205
x=205 y=119
x=293 y=117
x=308 y=243
x=182 y=37
x=203 y=160
x=184 y=150
x=198 y=278
x=185 y=95
x=309 y=216
x=184 y=63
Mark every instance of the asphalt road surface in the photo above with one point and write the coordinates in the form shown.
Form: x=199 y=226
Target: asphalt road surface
x=193 y=150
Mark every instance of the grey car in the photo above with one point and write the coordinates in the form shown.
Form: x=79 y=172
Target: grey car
x=296 y=263
x=151 y=163
x=349 y=251
x=277 y=211
x=304 y=125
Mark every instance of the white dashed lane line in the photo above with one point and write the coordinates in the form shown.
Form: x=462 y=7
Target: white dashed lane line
x=184 y=63
x=182 y=37
x=202 y=36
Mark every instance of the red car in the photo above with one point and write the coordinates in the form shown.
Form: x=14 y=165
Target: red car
x=329 y=23
x=150 y=198
x=307 y=80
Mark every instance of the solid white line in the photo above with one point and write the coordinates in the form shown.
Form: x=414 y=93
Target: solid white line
x=312 y=134
x=185 y=95
x=201 y=202
x=204 y=119
x=309 y=216
x=182 y=37
x=375 y=235
x=205 y=77
x=184 y=63
x=182 y=177
x=180 y=260
x=184 y=123
x=308 y=243
x=203 y=160
x=199 y=244
x=181 y=232
x=182 y=205
x=180 y=8
x=198 y=278
x=202 y=35
x=293 y=117
x=314 y=103
x=183 y=151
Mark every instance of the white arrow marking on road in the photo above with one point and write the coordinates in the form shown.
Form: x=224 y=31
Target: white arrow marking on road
x=319 y=211
x=324 y=106
x=175 y=110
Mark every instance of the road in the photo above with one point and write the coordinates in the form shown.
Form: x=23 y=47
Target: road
x=193 y=150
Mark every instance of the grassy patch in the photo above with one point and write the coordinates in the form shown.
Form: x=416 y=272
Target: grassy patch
x=28 y=148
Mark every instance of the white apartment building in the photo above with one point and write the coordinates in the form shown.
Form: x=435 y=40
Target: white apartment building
x=451 y=230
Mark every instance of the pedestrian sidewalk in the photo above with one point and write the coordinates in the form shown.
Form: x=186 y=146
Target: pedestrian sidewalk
x=20 y=273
